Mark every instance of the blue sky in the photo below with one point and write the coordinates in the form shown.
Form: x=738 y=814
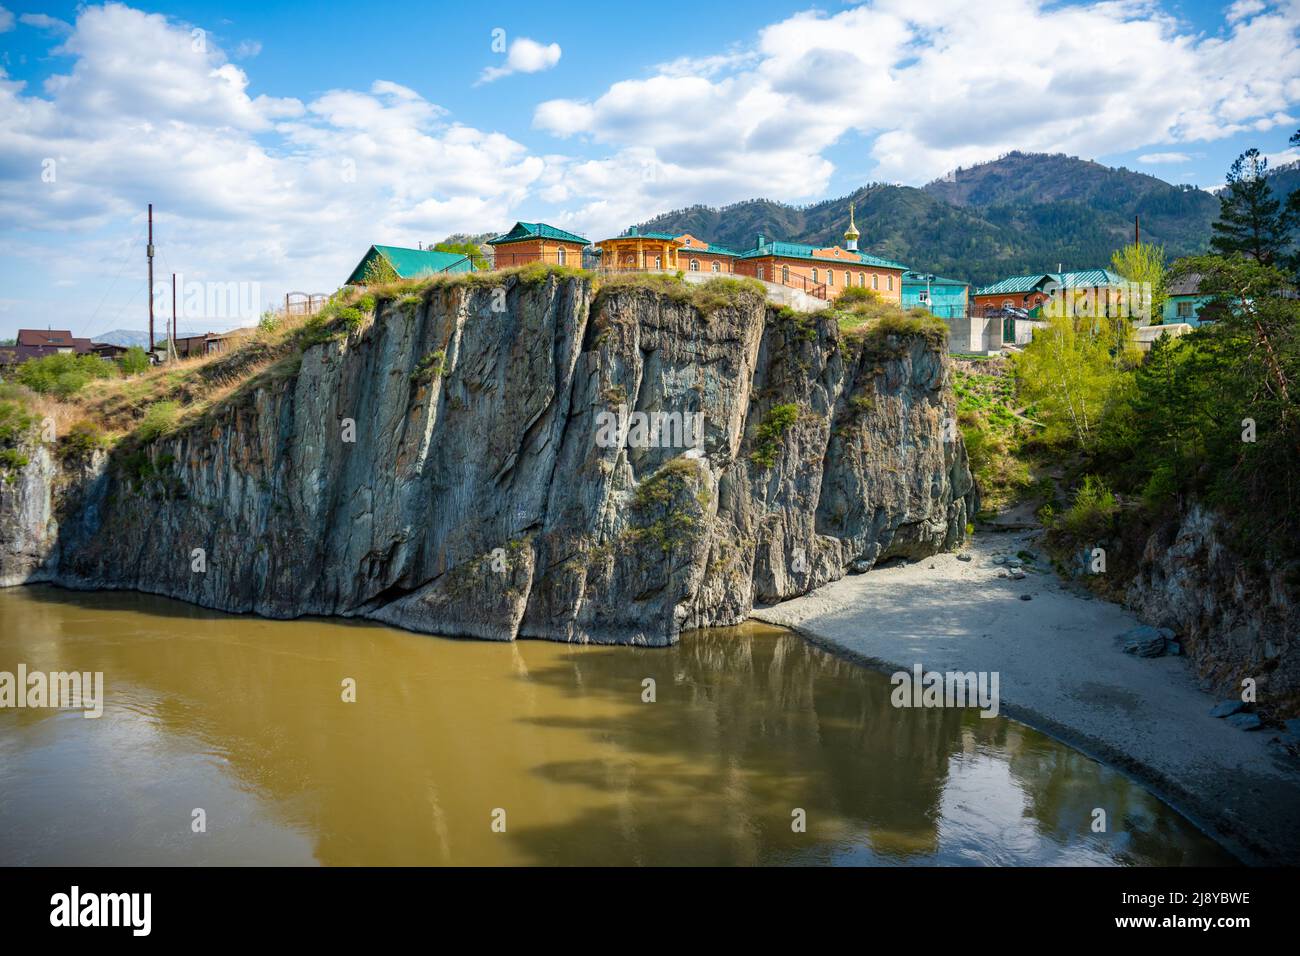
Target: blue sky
x=281 y=140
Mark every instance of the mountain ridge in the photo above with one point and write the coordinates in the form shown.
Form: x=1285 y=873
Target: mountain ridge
x=1020 y=213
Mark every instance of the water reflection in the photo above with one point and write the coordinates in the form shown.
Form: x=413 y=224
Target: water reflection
x=244 y=718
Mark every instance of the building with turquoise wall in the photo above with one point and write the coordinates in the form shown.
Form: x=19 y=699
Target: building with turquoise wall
x=943 y=298
x=1185 y=301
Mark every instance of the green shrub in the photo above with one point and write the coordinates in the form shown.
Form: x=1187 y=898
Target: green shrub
x=159 y=419
x=80 y=441
x=16 y=423
x=774 y=425
x=11 y=461
x=856 y=294
x=1093 y=511
x=63 y=374
x=134 y=361
x=429 y=367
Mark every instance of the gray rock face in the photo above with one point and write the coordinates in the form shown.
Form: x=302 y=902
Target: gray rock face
x=478 y=497
x=1235 y=619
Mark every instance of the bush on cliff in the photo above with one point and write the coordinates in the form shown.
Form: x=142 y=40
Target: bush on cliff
x=64 y=373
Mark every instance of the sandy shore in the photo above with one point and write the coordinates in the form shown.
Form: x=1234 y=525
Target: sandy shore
x=1062 y=671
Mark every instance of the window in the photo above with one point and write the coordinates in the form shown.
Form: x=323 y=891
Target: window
x=848 y=278
x=830 y=276
x=891 y=283
x=862 y=280
x=814 y=275
x=875 y=281
x=559 y=255
x=715 y=267
x=659 y=262
x=1184 y=310
x=785 y=275
x=760 y=272
x=695 y=265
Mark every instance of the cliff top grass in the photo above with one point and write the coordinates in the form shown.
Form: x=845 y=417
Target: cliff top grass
x=161 y=400
x=862 y=314
x=707 y=297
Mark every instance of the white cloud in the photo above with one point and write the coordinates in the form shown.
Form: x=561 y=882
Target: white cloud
x=1244 y=9
x=245 y=187
x=6 y=20
x=247 y=49
x=42 y=21
x=1157 y=159
x=944 y=84
x=524 y=56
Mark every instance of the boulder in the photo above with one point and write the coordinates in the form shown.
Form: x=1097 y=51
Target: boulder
x=1144 y=641
x=1227 y=708
x=1245 y=721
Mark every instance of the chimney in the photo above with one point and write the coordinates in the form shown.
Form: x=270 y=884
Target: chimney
x=761 y=241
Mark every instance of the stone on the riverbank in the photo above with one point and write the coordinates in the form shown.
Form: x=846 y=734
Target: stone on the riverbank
x=1227 y=708
x=1026 y=597
x=1144 y=641
x=963 y=557
x=1244 y=721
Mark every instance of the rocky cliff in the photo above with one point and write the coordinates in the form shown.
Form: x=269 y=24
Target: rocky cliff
x=1237 y=619
x=448 y=467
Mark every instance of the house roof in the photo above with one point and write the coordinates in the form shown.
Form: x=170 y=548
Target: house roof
x=796 y=250
x=61 y=337
x=708 y=249
x=524 y=231
x=921 y=278
x=409 y=263
x=1189 y=284
x=1083 y=279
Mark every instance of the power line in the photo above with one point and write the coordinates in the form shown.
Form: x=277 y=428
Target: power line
x=126 y=259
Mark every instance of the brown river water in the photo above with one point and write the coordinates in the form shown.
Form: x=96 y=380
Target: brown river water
x=244 y=719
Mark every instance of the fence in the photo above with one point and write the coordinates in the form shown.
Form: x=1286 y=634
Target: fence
x=304 y=303
x=551 y=257
x=782 y=275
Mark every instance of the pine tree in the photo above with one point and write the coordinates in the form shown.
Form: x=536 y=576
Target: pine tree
x=1250 y=220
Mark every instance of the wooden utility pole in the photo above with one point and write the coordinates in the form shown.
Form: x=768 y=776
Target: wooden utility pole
x=1137 y=232
x=149 y=255
x=171 y=343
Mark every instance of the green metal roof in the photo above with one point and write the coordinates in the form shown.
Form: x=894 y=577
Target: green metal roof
x=710 y=250
x=412 y=263
x=919 y=278
x=795 y=250
x=1083 y=279
x=524 y=231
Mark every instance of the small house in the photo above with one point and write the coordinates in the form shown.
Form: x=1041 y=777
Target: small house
x=943 y=298
x=529 y=242
x=409 y=263
x=1186 y=301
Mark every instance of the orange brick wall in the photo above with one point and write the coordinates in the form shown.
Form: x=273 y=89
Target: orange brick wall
x=536 y=250
x=772 y=266
x=1018 y=300
x=726 y=264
